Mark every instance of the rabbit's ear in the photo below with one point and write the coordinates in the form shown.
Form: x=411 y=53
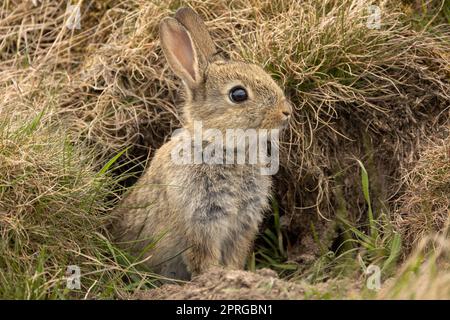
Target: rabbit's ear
x=180 y=51
x=197 y=29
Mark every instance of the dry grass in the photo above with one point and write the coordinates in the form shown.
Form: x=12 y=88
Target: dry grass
x=425 y=205
x=426 y=273
x=373 y=94
x=54 y=212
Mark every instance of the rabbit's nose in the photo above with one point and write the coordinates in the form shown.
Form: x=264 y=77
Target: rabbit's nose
x=286 y=110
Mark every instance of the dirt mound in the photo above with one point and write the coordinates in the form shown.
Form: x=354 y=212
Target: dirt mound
x=228 y=284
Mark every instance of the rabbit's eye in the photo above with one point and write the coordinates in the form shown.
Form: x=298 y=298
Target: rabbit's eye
x=238 y=94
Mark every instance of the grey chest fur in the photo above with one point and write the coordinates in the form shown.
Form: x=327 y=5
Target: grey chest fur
x=234 y=193
x=228 y=199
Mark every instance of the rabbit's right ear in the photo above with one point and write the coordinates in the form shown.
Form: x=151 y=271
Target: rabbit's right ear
x=180 y=52
x=198 y=30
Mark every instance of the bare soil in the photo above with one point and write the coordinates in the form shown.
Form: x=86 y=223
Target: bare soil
x=228 y=284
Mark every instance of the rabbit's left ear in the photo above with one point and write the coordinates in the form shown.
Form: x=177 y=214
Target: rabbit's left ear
x=180 y=51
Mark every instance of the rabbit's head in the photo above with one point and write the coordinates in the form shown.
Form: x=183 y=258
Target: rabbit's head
x=222 y=94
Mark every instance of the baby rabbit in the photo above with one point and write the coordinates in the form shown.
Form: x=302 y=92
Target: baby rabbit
x=202 y=215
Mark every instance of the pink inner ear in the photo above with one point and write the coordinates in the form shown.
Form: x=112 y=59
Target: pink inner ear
x=182 y=49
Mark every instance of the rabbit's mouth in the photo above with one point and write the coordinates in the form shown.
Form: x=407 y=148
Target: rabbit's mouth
x=284 y=125
x=280 y=125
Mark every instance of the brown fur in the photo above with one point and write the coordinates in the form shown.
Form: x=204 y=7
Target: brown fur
x=202 y=215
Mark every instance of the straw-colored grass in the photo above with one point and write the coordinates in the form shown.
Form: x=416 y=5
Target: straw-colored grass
x=425 y=205
x=54 y=212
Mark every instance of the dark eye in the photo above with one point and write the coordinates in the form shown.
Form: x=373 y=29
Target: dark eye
x=238 y=94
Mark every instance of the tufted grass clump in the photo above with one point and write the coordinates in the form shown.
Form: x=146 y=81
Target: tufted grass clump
x=55 y=207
